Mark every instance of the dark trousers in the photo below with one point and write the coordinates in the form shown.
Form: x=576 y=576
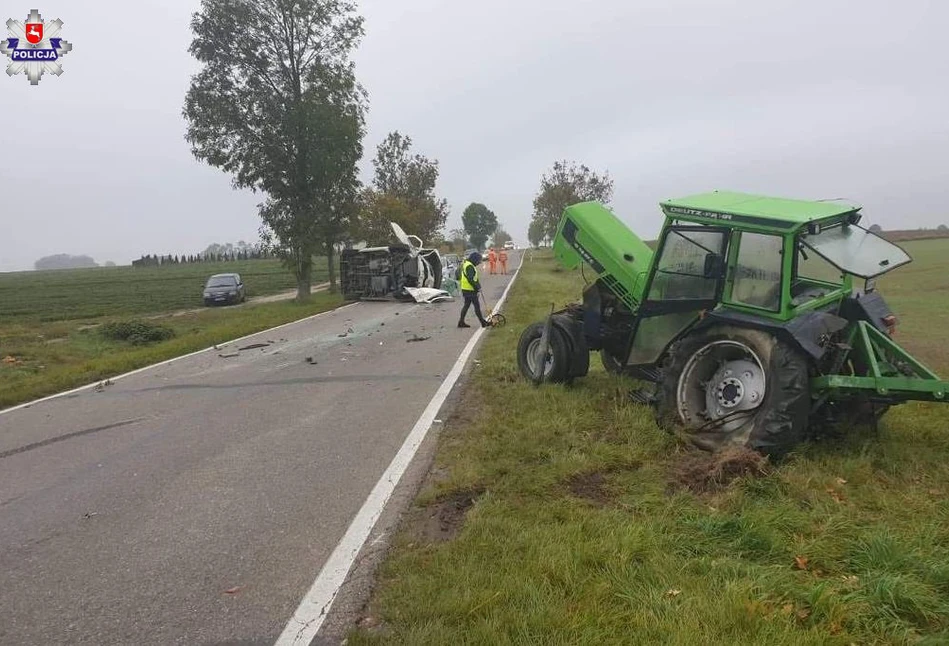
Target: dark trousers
x=471 y=298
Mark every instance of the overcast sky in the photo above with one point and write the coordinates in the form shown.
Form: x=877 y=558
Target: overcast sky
x=802 y=98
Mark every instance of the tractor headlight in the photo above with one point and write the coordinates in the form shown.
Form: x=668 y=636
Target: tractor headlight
x=870 y=285
x=233 y=292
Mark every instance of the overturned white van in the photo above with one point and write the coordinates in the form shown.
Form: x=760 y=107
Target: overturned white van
x=397 y=272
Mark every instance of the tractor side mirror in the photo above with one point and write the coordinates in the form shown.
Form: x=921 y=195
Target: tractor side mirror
x=714 y=265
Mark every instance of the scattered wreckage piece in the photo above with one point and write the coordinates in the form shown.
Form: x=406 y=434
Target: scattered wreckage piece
x=387 y=273
x=428 y=295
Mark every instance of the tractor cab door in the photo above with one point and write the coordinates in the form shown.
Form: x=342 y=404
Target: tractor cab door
x=687 y=276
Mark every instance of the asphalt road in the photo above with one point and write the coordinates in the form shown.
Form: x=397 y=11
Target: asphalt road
x=194 y=503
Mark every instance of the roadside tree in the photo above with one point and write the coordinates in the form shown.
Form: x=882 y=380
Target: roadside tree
x=402 y=191
x=564 y=184
x=276 y=104
x=479 y=222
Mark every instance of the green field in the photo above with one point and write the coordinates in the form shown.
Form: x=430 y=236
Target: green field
x=562 y=515
x=52 y=322
x=109 y=291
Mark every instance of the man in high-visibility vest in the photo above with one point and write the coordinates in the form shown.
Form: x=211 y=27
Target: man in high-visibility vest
x=471 y=288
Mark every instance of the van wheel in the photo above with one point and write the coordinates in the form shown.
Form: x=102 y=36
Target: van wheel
x=730 y=386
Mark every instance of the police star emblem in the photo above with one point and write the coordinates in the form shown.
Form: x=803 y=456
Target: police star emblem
x=34 y=47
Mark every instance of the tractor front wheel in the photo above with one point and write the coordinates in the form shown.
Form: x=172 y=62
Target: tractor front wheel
x=554 y=361
x=731 y=386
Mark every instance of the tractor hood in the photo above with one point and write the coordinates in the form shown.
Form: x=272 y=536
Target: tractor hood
x=854 y=250
x=590 y=233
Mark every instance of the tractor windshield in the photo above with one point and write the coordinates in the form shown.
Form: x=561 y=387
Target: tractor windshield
x=681 y=271
x=856 y=251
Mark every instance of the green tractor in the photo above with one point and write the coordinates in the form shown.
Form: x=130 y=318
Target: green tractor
x=755 y=317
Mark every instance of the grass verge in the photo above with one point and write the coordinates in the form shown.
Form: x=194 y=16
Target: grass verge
x=46 y=358
x=562 y=515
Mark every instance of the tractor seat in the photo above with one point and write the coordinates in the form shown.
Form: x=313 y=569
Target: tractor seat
x=802 y=292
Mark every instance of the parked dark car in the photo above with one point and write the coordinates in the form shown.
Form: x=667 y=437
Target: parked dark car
x=223 y=289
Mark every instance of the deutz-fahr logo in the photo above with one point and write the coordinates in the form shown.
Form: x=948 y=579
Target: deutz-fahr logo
x=34 y=47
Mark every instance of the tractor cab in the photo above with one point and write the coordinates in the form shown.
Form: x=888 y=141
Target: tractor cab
x=768 y=257
x=762 y=257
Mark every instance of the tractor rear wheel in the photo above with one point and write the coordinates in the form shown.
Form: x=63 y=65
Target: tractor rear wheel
x=555 y=362
x=731 y=386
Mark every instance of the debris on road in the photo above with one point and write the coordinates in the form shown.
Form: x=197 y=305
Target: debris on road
x=234 y=590
x=428 y=294
x=415 y=339
x=254 y=346
x=90 y=514
x=102 y=385
x=229 y=355
x=311 y=361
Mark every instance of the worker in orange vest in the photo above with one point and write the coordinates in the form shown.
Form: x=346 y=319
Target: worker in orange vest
x=502 y=258
x=492 y=260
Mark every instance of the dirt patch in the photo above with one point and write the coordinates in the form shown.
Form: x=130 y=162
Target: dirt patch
x=465 y=412
x=702 y=472
x=442 y=520
x=592 y=487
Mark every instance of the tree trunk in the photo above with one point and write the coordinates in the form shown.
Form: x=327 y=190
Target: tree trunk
x=304 y=278
x=331 y=265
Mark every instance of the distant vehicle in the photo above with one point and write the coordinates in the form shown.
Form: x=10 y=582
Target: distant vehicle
x=224 y=289
x=449 y=262
x=510 y=245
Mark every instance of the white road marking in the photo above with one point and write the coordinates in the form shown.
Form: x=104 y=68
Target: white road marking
x=172 y=360
x=315 y=606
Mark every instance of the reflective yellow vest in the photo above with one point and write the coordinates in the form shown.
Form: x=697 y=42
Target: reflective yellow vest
x=466 y=285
